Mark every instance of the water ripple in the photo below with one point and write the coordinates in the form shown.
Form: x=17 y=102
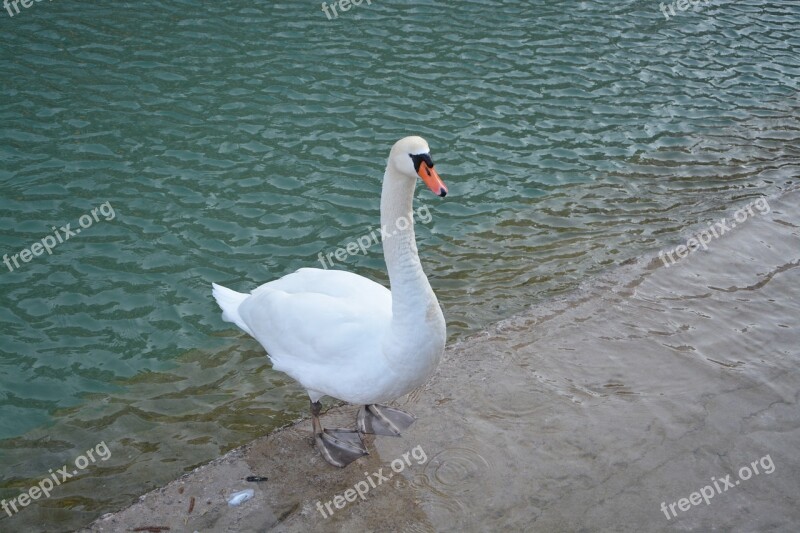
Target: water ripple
x=236 y=142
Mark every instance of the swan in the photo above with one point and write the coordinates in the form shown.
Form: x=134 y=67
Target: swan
x=342 y=335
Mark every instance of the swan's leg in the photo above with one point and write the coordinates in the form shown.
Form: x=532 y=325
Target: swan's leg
x=339 y=447
x=383 y=420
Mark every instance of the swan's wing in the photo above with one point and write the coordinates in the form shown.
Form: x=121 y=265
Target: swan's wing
x=318 y=317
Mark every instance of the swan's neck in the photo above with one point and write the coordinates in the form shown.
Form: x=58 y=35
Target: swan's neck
x=412 y=295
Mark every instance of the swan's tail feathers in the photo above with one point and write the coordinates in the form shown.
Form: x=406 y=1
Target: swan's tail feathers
x=229 y=301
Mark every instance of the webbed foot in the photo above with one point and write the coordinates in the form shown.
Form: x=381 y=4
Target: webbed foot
x=383 y=420
x=340 y=447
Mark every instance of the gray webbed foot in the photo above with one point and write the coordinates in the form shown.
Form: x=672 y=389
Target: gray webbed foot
x=383 y=420
x=339 y=447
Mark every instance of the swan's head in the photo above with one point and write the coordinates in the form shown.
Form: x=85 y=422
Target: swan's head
x=411 y=157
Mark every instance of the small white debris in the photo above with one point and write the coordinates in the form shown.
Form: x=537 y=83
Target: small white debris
x=238 y=498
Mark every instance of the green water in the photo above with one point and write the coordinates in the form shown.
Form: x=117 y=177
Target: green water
x=237 y=140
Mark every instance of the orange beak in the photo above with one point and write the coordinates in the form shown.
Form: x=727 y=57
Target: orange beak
x=432 y=179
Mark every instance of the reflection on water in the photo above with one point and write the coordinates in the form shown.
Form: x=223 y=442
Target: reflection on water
x=238 y=140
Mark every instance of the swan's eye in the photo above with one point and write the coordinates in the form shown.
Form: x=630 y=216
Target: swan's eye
x=419 y=158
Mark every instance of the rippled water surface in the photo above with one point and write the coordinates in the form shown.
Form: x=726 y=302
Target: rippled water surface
x=235 y=141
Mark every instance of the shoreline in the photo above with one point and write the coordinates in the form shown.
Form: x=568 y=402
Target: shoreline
x=620 y=397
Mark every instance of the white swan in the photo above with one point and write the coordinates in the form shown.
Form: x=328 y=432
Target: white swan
x=345 y=336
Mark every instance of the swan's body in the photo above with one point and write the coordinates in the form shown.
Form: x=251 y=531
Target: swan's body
x=326 y=329
x=343 y=335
